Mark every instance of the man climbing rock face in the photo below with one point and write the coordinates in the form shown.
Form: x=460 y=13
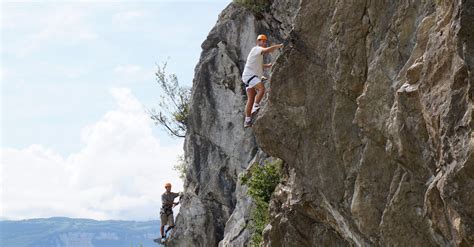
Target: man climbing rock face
x=252 y=76
x=166 y=212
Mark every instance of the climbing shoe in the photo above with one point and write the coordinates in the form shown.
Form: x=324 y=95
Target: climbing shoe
x=248 y=122
x=255 y=108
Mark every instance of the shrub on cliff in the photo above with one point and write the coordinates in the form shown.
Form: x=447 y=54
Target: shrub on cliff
x=261 y=181
x=256 y=6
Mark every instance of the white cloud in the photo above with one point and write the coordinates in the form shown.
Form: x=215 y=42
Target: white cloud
x=124 y=1
x=118 y=174
x=127 y=16
x=128 y=69
x=132 y=73
x=3 y=73
x=40 y=26
x=68 y=26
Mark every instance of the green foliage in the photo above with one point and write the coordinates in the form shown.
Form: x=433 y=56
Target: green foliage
x=256 y=6
x=181 y=167
x=174 y=105
x=261 y=180
x=260 y=217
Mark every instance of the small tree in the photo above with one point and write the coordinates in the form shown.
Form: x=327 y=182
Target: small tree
x=174 y=105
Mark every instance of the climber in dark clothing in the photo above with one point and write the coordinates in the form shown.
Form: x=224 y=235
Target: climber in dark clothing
x=166 y=212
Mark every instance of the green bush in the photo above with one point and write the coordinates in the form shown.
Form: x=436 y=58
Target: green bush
x=256 y=6
x=261 y=181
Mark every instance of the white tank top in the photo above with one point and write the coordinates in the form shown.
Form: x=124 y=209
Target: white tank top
x=254 y=64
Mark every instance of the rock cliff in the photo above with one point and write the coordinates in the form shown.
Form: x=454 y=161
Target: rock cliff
x=370 y=107
x=217 y=147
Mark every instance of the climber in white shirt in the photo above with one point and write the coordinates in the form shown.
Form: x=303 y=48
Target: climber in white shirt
x=252 y=76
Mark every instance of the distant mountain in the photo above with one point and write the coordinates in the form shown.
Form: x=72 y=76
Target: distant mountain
x=67 y=232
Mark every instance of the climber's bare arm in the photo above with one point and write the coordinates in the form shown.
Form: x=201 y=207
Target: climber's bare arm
x=271 y=48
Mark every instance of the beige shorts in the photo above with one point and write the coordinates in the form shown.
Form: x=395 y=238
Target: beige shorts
x=167 y=219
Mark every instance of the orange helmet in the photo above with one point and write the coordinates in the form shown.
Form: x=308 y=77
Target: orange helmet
x=262 y=37
x=167 y=185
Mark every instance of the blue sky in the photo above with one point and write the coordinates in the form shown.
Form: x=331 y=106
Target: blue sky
x=76 y=77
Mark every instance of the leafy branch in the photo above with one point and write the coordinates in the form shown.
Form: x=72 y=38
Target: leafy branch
x=174 y=104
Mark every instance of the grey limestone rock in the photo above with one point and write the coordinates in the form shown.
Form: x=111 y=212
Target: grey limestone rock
x=370 y=107
x=217 y=147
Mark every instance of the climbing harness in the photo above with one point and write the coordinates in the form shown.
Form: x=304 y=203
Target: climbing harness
x=247 y=83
